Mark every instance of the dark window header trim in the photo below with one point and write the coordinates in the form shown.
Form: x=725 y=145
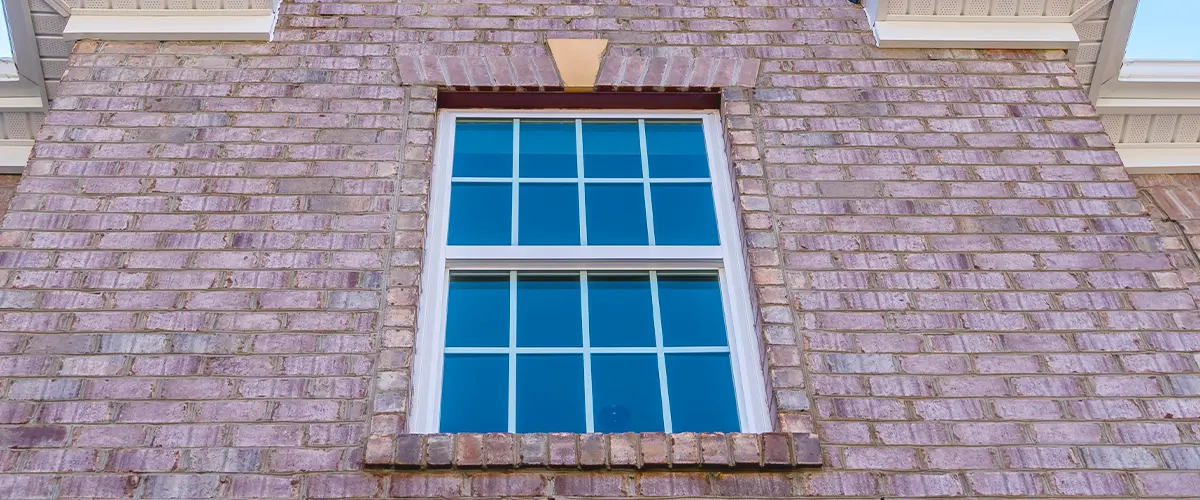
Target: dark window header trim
x=453 y=99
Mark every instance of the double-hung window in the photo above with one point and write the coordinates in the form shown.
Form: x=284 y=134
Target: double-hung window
x=584 y=273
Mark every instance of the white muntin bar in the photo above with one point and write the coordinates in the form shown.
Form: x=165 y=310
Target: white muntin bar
x=661 y=353
x=580 y=185
x=512 y=351
x=516 y=185
x=646 y=180
x=589 y=418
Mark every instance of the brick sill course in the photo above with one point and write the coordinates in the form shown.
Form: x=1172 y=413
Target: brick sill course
x=687 y=450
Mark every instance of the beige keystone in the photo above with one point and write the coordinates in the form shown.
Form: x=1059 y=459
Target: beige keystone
x=578 y=61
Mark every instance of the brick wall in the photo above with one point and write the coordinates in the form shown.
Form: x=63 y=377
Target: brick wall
x=211 y=264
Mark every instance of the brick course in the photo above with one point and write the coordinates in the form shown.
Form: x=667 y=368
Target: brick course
x=211 y=264
x=8 y=184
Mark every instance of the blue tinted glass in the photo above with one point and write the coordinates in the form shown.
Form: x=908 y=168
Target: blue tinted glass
x=676 y=149
x=620 y=311
x=616 y=214
x=684 y=214
x=483 y=149
x=692 y=310
x=611 y=149
x=477 y=311
x=550 y=393
x=480 y=213
x=625 y=393
x=549 y=214
x=549 y=311
x=701 y=393
x=548 y=149
x=475 y=393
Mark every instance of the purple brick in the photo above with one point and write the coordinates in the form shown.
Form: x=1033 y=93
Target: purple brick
x=520 y=484
x=426 y=484
x=1088 y=483
x=1019 y=484
x=921 y=485
x=880 y=458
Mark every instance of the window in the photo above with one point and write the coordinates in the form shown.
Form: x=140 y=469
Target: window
x=584 y=273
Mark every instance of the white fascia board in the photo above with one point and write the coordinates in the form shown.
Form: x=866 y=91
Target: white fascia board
x=1147 y=106
x=1156 y=84
x=976 y=35
x=1134 y=70
x=14 y=154
x=1160 y=158
x=21 y=96
x=1112 y=47
x=170 y=25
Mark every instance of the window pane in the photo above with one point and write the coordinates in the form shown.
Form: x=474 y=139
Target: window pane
x=475 y=393
x=477 y=311
x=676 y=149
x=625 y=393
x=684 y=214
x=549 y=311
x=480 y=213
x=611 y=149
x=550 y=393
x=620 y=311
x=692 y=310
x=701 y=392
x=549 y=214
x=616 y=214
x=548 y=149
x=483 y=148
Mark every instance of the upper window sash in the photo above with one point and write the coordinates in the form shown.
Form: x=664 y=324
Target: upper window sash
x=703 y=256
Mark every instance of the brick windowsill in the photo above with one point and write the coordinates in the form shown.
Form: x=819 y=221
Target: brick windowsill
x=715 y=451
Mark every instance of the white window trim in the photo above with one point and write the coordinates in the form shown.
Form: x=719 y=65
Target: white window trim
x=748 y=378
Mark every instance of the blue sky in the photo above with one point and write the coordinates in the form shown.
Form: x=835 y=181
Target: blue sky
x=1165 y=29
x=5 y=39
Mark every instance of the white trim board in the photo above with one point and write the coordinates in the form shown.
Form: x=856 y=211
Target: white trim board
x=952 y=33
x=14 y=154
x=177 y=25
x=1142 y=70
x=1141 y=106
x=1160 y=158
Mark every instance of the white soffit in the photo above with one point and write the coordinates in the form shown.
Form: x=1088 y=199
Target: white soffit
x=172 y=20
x=979 y=24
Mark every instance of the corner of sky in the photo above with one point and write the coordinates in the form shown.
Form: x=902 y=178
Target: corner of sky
x=1165 y=30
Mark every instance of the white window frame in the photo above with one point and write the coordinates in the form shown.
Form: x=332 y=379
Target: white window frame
x=728 y=260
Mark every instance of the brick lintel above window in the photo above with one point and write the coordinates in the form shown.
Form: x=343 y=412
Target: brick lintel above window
x=685 y=450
